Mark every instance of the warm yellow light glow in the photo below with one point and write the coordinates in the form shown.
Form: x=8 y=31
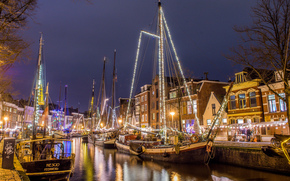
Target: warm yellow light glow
x=101 y=124
x=1 y=122
x=74 y=126
x=120 y=120
x=5 y=118
x=172 y=113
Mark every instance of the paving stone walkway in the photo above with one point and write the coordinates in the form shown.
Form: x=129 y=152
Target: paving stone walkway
x=7 y=174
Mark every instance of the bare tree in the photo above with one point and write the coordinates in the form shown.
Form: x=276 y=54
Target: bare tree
x=265 y=44
x=13 y=17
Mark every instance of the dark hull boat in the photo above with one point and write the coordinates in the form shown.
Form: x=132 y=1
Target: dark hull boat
x=110 y=144
x=85 y=139
x=191 y=153
x=48 y=169
x=45 y=159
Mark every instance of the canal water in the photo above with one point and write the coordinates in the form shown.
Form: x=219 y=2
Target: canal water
x=99 y=164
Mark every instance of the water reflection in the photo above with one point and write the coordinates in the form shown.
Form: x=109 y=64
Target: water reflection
x=96 y=163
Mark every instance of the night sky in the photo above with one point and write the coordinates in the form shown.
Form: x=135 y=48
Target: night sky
x=77 y=35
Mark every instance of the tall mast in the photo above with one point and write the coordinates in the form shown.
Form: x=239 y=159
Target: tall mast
x=38 y=93
x=92 y=105
x=103 y=93
x=64 y=109
x=161 y=71
x=113 y=91
x=45 y=111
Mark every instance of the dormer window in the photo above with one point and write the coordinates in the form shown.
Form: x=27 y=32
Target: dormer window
x=240 y=77
x=278 y=75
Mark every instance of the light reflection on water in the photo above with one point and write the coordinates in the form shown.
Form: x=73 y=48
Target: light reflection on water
x=96 y=163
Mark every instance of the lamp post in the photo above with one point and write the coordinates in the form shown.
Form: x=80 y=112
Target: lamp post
x=1 y=123
x=5 y=119
x=172 y=114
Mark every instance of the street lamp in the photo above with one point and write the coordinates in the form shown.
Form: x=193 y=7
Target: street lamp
x=120 y=121
x=101 y=125
x=172 y=114
x=1 y=123
x=5 y=119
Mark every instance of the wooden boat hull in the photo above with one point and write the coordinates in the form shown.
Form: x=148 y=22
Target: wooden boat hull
x=193 y=153
x=85 y=139
x=110 y=144
x=49 y=169
x=93 y=140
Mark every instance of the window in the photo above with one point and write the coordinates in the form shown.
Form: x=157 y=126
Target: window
x=157 y=105
x=272 y=103
x=145 y=107
x=225 y=121
x=156 y=93
x=240 y=121
x=157 y=117
x=242 y=101
x=189 y=107
x=142 y=98
x=194 y=106
x=253 y=101
x=282 y=103
x=208 y=122
x=145 y=97
x=142 y=108
x=233 y=102
x=172 y=95
x=145 y=118
x=153 y=116
x=184 y=104
x=213 y=109
x=142 y=119
x=278 y=75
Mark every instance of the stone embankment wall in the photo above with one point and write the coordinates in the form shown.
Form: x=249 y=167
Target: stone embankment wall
x=251 y=158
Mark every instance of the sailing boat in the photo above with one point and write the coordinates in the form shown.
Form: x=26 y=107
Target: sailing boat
x=44 y=158
x=93 y=138
x=110 y=142
x=190 y=152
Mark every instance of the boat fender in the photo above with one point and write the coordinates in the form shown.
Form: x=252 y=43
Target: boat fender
x=165 y=154
x=209 y=146
x=177 y=149
x=194 y=138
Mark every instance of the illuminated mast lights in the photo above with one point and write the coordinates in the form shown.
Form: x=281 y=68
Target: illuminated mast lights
x=134 y=72
x=161 y=72
x=38 y=94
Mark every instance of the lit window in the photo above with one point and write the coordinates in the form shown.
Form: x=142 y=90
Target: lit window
x=240 y=121
x=242 y=101
x=189 y=108
x=272 y=103
x=208 y=122
x=194 y=106
x=253 y=101
x=213 y=109
x=282 y=103
x=233 y=102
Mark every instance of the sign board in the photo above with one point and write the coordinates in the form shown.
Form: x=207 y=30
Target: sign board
x=8 y=153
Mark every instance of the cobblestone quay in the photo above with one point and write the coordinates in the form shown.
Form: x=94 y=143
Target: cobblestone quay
x=17 y=174
x=250 y=155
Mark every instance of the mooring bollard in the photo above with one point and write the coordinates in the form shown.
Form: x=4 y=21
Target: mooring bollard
x=8 y=153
